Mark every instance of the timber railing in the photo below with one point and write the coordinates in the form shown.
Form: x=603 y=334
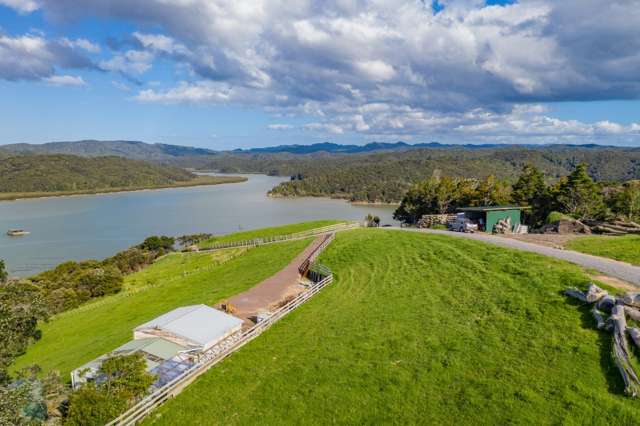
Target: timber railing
x=277 y=238
x=141 y=409
x=302 y=269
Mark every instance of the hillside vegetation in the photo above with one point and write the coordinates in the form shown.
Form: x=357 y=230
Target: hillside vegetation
x=421 y=329
x=386 y=176
x=91 y=148
x=74 y=174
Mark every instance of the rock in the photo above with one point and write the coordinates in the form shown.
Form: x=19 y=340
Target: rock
x=595 y=293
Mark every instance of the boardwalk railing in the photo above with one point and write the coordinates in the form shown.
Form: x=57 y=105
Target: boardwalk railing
x=174 y=387
x=302 y=269
x=277 y=238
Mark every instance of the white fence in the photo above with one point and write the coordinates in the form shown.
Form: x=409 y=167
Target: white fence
x=173 y=388
x=278 y=238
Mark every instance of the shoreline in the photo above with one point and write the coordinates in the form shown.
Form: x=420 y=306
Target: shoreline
x=327 y=197
x=199 y=181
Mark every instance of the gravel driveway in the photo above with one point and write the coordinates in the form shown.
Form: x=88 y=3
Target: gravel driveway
x=612 y=268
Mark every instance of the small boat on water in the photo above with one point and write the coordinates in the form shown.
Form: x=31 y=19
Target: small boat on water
x=17 y=232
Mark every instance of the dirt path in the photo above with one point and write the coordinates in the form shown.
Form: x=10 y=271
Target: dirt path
x=613 y=268
x=274 y=289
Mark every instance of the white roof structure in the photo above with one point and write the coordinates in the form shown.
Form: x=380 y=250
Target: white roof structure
x=199 y=326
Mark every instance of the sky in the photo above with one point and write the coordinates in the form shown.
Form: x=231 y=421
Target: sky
x=253 y=73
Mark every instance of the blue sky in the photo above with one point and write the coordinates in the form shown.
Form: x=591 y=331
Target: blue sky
x=228 y=74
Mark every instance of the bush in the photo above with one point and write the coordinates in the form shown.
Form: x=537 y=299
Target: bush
x=125 y=381
x=556 y=216
x=156 y=243
x=3 y=272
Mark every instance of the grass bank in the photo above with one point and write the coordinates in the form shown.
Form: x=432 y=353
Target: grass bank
x=422 y=329
x=77 y=336
x=625 y=248
x=268 y=232
x=198 y=181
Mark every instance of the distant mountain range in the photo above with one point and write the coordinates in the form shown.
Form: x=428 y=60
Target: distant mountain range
x=349 y=149
x=159 y=152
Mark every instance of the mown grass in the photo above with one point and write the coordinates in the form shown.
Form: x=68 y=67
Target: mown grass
x=625 y=248
x=269 y=232
x=421 y=329
x=78 y=336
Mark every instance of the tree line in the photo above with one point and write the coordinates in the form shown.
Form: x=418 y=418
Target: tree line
x=576 y=195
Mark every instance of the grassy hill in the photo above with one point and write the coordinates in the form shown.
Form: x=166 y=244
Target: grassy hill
x=421 y=329
x=415 y=329
x=46 y=174
x=625 y=248
x=78 y=336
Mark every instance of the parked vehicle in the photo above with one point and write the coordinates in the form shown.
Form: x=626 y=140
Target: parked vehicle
x=462 y=224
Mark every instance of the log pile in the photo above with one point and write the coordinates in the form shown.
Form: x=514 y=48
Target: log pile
x=503 y=226
x=429 y=220
x=616 y=227
x=618 y=309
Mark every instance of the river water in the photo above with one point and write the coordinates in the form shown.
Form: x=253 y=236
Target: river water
x=97 y=226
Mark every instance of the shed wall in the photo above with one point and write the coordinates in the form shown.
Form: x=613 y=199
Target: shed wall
x=494 y=216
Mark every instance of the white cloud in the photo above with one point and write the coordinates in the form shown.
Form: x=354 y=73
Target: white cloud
x=82 y=43
x=389 y=67
x=278 y=126
x=203 y=92
x=65 y=80
x=131 y=62
x=376 y=70
x=22 y=6
x=33 y=57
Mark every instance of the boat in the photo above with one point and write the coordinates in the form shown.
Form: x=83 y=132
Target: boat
x=17 y=232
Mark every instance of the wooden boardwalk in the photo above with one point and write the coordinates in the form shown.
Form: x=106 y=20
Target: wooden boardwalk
x=275 y=289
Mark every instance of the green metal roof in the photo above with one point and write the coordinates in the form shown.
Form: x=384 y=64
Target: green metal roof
x=490 y=208
x=155 y=346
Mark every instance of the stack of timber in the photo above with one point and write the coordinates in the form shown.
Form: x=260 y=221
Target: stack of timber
x=618 y=308
x=429 y=220
x=617 y=227
x=503 y=226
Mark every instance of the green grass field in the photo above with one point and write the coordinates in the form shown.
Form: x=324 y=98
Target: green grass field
x=269 y=232
x=625 y=248
x=421 y=329
x=76 y=337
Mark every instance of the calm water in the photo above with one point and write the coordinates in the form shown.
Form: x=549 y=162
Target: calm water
x=97 y=226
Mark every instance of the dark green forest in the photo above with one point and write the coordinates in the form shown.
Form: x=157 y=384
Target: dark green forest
x=386 y=176
x=50 y=173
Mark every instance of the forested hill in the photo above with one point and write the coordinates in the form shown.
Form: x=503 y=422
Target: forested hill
x=91 y=148
x=385 y=177
x=61 y=173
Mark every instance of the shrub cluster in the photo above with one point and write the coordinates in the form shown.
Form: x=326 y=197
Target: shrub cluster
x=576 y=195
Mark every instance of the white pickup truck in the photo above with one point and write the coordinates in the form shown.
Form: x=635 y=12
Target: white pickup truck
x=462 y=224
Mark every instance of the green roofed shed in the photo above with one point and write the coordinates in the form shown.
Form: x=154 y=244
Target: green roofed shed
x=488 y=216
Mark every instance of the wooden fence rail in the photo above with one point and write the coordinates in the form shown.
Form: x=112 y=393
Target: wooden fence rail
x=174 y=387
